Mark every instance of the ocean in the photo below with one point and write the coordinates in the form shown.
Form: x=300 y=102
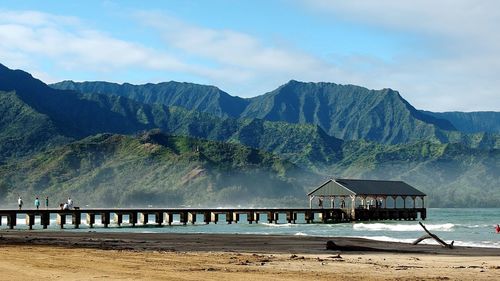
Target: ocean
x=467 y=227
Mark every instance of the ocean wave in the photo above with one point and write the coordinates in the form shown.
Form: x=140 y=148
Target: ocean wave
x=301 y=234
x=480 y=244
x=401 y=227
x=385 y=239
x=475 y=226
x=280 y=225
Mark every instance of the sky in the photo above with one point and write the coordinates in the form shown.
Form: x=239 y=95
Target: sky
x=440 y=55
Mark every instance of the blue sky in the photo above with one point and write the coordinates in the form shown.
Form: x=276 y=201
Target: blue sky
x=441 y=57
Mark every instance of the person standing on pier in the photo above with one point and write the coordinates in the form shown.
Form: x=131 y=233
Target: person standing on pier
x=47 y=202
x=70 y=203
x=20 y=202
x=37 y=203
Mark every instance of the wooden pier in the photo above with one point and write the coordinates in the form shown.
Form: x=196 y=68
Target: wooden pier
x=134 y=217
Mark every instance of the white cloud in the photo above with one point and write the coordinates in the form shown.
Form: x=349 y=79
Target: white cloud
x=459 y=40
x=239 y=62
x=28 y=36
x=234 y=61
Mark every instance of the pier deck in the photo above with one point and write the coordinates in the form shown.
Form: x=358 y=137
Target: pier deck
x=165 y=216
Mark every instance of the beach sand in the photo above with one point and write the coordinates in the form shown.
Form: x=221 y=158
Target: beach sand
x=47 y=255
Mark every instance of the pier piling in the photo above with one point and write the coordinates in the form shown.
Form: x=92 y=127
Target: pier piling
x=207 y=216
x=236 y=217
x=118 y=219
x=30 y=220
x=61 y=220
x=183 y=217
x=76 y=219
x=159 y=218
x=169 y=218
x=214 y=217
x=132 y=218
x=45 y=219
x=105 y=219
x=91 y=219
x=229 y=217
x=144 y=218
x=192 y=217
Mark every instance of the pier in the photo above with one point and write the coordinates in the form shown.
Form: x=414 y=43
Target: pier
x=184 y=216
x=350 y=200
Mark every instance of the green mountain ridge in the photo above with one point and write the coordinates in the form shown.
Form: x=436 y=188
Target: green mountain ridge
x=344 y=111
x=471 y=122
x=347 y=112
x=74 y=116
x=202 y=98
x=153 y=169
x=23 y=130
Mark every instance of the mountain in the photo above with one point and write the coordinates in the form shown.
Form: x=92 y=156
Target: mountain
x=71 y=115
x=343 y=111
x=154 y=169
x=304 y=144
x=202 y=98
x=23 y=130
x=348 y=112
x=471 y=122
x=64 y=142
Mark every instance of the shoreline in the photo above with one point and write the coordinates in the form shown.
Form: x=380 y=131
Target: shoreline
x=206 y=242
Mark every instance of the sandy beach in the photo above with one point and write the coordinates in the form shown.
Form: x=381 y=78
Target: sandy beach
x=46 y=255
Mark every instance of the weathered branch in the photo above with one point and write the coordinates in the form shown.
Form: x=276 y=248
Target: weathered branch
x=433 y=236
x=426 y=236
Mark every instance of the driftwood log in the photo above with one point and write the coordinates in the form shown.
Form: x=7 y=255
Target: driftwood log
x=433 y=236
x=330 y=245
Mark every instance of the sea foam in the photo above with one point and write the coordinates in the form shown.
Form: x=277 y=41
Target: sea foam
x=401 y=227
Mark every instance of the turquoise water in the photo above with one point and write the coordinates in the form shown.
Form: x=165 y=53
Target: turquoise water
x=467 y=227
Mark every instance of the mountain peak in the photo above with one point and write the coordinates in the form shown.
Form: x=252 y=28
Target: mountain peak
x=11 y=80
x=192 y=96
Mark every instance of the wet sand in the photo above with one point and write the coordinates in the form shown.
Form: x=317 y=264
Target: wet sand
x=47 y=255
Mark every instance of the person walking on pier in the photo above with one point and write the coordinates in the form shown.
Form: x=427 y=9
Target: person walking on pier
x=37 y=203
x=70 y=203
x=20 y=202
x=47 y=202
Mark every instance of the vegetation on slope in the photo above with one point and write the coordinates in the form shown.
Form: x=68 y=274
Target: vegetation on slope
x=154 y=169
x=23 y=130
x=471 y=122
x=343 y=111
x=75 y=116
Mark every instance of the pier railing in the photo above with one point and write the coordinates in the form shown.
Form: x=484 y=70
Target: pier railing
x=165 y=216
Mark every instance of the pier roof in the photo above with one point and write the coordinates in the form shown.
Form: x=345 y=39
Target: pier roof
x=346 y=187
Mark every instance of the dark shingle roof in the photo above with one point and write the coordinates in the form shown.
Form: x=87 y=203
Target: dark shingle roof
x=366 y=187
